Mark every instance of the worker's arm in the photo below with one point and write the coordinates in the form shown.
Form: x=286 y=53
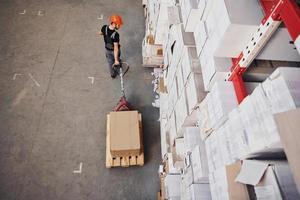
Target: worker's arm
x=116 y=53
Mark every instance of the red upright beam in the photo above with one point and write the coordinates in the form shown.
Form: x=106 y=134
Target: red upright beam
x=279 y=10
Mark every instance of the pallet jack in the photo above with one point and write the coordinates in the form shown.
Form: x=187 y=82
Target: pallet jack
x=119 y=149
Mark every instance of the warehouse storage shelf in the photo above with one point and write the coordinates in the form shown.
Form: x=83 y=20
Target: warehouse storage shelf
x=212 y=131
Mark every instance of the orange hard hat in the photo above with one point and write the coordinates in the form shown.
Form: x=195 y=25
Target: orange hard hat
x=116 y=19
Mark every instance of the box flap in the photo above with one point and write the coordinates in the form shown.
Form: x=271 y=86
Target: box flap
x=251 y=172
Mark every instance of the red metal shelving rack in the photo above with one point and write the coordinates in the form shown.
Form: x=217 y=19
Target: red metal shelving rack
x=276 y=11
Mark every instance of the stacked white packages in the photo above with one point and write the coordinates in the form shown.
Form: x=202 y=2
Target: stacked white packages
x=234 y=22
x=191 y=138
x=191 y=14
x=199 y=192
x=236 y=133
x=204 y=121
x=181 y=113
x=221 y=100
x=162 y=23
x=172 y=186
x=201 y=36
x=194 y=91
x=282 y=89
x=190 y=62
x=219 y=184
x=199 y=164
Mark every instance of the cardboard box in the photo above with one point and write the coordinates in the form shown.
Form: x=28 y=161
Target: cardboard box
x=173 y=15
x=282 y=89
x=125 y=136
x=222 y=101
x=200 y=191
x=170 y=167
x=194 y=91
x=190 y=14
x=199 y=163
x=191 y=138
x=271 y=179
x=237 y=135
x=200 y=35
x=204 y=122
x=179 y=146
x=224 y=186
x=164 y=136
x=172 y=186
x=190 y=62
x=288 y=128
x=181 y=114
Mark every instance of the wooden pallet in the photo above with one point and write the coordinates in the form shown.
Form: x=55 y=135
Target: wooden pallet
x=125 y=161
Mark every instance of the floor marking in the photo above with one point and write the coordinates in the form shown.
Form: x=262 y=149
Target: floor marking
x=15 y=76
x=79 y=170
x=36 y=83
x=41 y=13
x=92 y=79
x=23 y=13
x=101 y=16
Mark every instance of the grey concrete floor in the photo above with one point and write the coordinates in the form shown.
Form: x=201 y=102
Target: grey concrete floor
x=52 y=117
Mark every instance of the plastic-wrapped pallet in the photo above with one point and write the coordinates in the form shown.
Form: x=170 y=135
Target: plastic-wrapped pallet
x=194 y=91
x=221 y=100
x=172 y=185
x=282 y=89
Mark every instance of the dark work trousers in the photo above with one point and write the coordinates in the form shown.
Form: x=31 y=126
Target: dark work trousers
x=111 y=60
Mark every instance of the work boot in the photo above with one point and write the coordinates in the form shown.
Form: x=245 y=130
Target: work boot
x=113 y=75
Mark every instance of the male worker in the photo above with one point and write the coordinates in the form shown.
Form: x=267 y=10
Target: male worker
x=112 y=40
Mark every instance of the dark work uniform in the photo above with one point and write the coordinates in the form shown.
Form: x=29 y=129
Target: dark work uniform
x=110 y=37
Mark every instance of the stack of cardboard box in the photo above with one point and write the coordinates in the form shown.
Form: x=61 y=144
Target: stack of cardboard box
x=205 y=135
x=124 y=145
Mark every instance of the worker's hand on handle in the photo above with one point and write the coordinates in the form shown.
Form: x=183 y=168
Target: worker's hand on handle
x=117 y=63
x=99 y=33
